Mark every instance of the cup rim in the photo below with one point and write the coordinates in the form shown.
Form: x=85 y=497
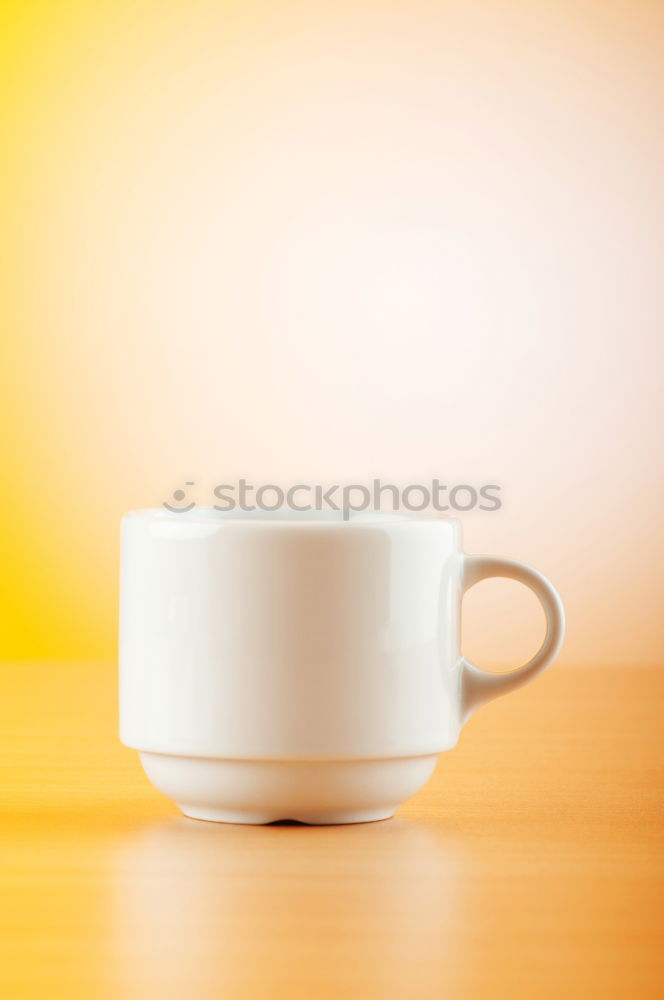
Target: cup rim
x=288 y=517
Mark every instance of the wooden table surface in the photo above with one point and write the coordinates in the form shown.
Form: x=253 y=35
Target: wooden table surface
x=531 y=865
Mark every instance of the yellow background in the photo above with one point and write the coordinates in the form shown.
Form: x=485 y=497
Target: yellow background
x=330 y=241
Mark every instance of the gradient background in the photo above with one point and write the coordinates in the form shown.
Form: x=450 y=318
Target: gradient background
x=329 y=241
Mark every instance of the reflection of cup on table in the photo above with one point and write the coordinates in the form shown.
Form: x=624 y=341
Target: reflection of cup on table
x=205 y=911
x=300 y=666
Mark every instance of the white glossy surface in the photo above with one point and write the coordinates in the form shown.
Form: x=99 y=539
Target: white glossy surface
x=280 y=638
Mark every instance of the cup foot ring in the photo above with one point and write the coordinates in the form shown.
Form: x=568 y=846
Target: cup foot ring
x=251 y=818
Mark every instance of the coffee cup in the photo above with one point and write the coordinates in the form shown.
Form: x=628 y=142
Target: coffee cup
x=297 y=665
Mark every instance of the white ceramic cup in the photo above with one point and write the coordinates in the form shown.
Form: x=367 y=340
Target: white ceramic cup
x=299 y=666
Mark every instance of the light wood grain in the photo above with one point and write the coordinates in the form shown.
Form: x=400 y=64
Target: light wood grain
x=531 y=865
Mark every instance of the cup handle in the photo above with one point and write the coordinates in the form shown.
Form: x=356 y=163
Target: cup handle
x=479 y=686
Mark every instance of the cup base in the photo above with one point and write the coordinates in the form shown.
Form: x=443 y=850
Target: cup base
x=261 y=819
x=316 y=792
